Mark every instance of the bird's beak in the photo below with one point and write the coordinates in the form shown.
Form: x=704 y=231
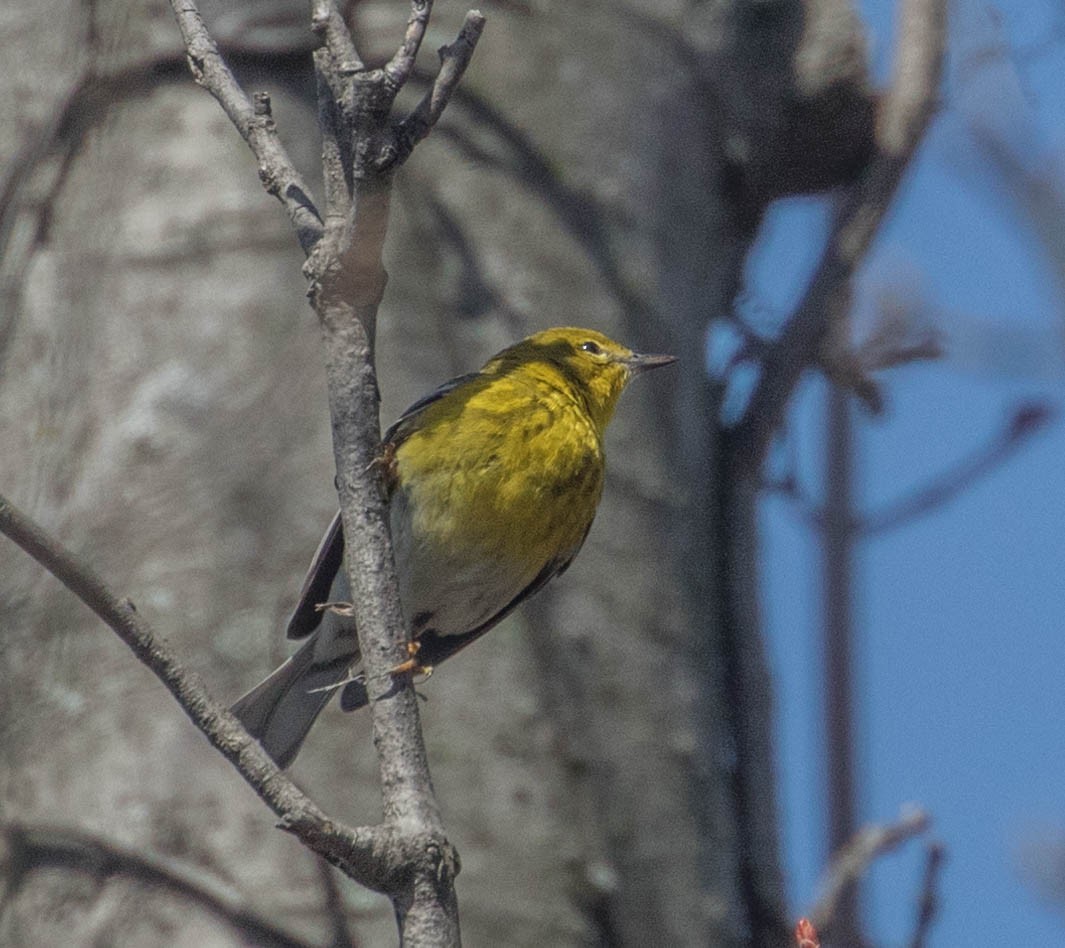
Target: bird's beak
x=640 y=362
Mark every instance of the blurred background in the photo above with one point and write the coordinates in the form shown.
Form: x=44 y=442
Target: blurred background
x=744 y=665
x=957 y=603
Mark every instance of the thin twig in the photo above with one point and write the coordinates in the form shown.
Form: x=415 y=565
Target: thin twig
x=928 y=905
x=24 y=849
x=1024 y=422
x=851 y=862
x=348 y=87
x=837 y=542
x=336 y=154
x=453 y=62
x=357 y=850
x=904 y=113
x=277 y=172
x=400 y=66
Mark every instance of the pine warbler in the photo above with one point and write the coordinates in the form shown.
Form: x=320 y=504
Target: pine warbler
x=493 y=482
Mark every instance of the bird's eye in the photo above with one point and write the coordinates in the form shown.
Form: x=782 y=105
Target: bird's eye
x=591 y=347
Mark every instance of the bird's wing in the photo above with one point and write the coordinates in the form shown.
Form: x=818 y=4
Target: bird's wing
x=402 y=426
x=329 y=556
x=327 y=560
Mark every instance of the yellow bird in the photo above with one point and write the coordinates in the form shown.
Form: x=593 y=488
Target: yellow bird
x=493 y=482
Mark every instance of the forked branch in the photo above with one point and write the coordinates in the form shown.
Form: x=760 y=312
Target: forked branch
x=363 y=145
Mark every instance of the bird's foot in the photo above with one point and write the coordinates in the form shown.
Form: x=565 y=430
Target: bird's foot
x=385 y=462
x=412 y=666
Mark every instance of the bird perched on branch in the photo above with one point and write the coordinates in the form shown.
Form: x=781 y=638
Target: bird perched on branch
x=493 y=483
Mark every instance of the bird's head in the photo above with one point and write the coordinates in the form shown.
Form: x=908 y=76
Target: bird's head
x=592 y=365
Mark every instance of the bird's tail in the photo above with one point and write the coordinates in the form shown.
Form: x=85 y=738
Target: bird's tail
x=280 y=710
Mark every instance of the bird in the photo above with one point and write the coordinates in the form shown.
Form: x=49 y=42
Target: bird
x=493 y=481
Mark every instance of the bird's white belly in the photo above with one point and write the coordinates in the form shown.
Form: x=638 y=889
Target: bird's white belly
x=446 y=589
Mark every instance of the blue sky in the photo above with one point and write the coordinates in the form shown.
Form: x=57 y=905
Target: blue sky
x=961 y=613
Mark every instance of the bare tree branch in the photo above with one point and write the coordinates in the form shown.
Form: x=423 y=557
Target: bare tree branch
x=347 y=282
x=929 y=901
x=363 y=853
x=904 y=112
x=408 y=857
x=851 y=862
x=1024 y=422
x=837 y=654
x=276 y=170
x=889 y=346
x=363 y=146
x=327 y=22
x=400 y=66
x=24 y=849
x=336 y=154
x=453 y=62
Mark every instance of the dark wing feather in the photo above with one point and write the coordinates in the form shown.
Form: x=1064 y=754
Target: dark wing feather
x=395 y=433
x=327 y=560
x=329 y=557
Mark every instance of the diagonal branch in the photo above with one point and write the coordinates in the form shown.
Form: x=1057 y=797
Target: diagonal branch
x=277 y=172
x=903 y=116
x=25 y=849
x=453 y=62
x=1025 y=421
x=363 y=853
x=928 y=903
x=853 y=860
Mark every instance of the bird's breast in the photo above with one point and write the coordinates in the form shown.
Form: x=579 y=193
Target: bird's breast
x=485 y=499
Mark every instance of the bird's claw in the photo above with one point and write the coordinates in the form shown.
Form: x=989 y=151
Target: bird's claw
x=385 y=462
x=412 y=666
